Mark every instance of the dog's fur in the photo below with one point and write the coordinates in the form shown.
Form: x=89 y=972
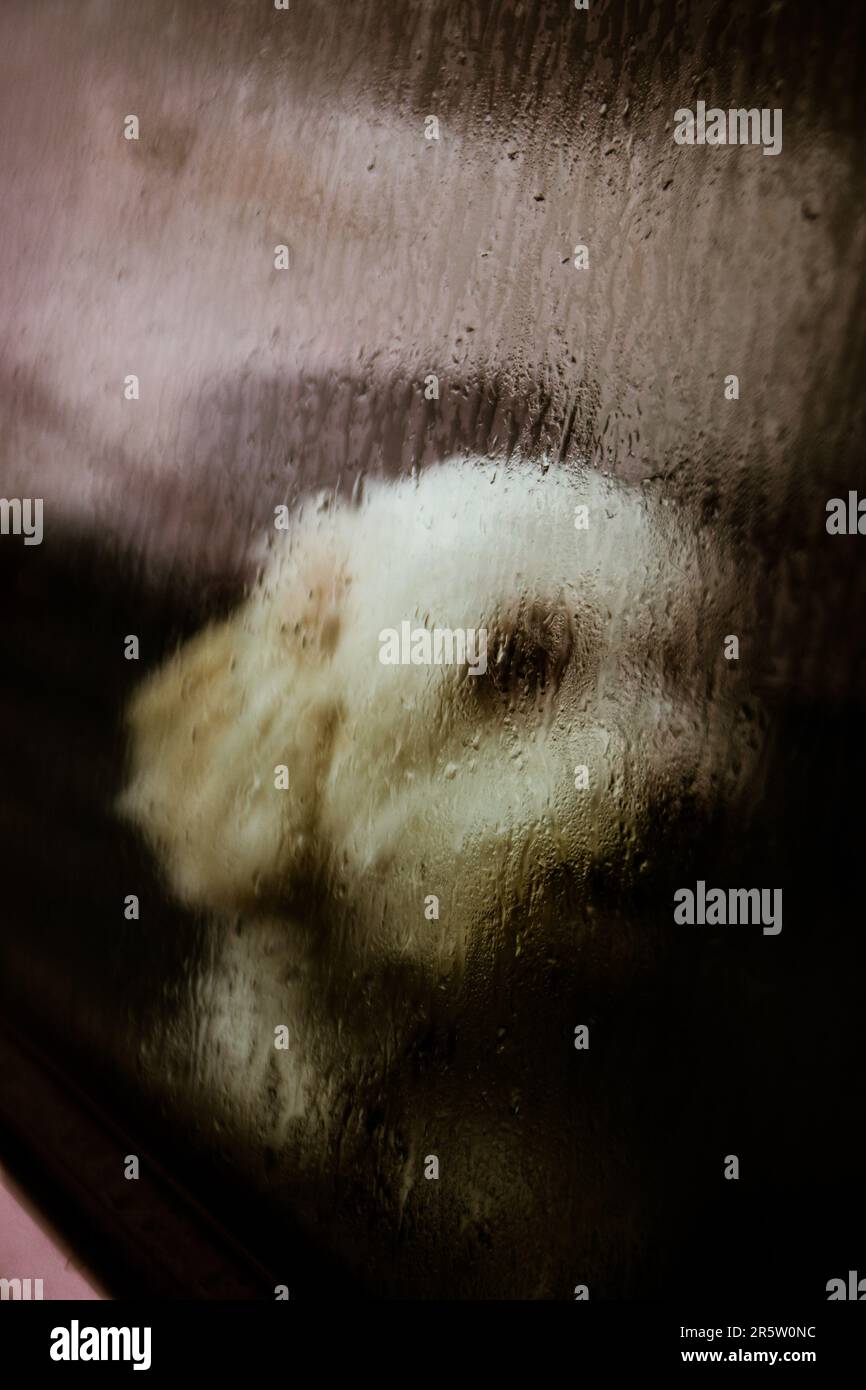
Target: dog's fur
x=405 y=781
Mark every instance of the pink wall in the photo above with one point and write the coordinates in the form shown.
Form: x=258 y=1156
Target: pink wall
x=30 y=1249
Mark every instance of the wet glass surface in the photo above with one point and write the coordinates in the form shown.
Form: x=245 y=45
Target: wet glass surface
x=409 y=259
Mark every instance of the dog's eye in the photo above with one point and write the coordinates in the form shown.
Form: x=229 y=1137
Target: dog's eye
x=529 y=653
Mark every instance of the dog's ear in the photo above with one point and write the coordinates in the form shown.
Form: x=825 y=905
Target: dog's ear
x=229 y=743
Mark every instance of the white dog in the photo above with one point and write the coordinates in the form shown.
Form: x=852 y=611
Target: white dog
x=417 y=852
x=607 y=694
